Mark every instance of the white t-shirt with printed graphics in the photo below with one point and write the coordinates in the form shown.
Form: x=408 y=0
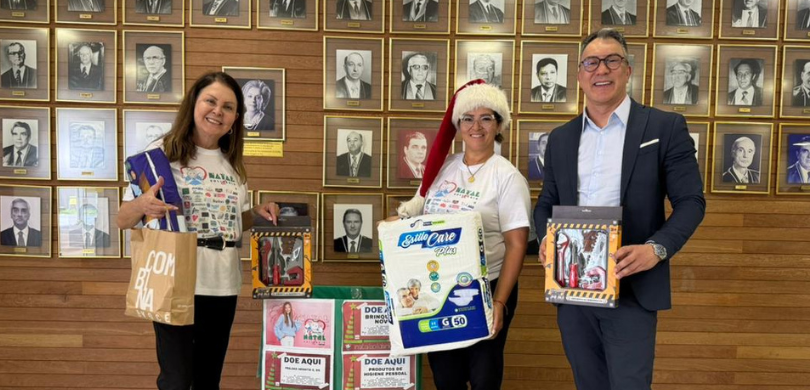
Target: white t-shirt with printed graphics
x=499 y=193
x=213 y=202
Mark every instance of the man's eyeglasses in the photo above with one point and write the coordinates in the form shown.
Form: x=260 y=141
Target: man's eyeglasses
x=153 y=58
x=678 y=72
x=486 y=121
x=420 y=67
x=613 y=62
x=15 y=53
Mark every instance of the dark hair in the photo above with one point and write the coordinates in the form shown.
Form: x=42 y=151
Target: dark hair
x=352 y=211
x=499 y=120
x=605 y=33
x=546 y=61
x=413 y=135
x=752 y=63
x=25 y=127
x=178 y=144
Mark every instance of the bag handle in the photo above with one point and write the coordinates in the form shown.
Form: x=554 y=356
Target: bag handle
x=155 y=174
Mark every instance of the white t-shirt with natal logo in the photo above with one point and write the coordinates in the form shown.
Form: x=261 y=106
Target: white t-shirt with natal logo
x=499 y=193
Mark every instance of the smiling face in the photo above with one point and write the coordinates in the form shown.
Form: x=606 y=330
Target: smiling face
x=287 y=308
x=20 y=137
x=416 y=151
x=20 y=213
x=352 y=222
x=154 y=59
x=548 y=76
x=414 y=290
x=745 y=76
x=479 y=135
x=742 y=152
x=405 y=298
x=418 y=67
x=604 y=87
x=214 y=114
x=353 y=66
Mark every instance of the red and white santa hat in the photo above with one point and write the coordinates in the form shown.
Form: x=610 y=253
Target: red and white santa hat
x=473 y=95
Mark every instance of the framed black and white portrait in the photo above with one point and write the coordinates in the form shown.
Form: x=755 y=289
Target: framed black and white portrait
x=746 y=81
x=637 y=60
x=265 y=92
x=688 y=19
x=353 y=71
x=86 y=11
x=352 y=155
x=87 y=141
x=287 y=15
x=749 y=19
x=532 y=140
x=25 y=11
x=699 y=131
x=742 y=155
x=486 y=17
x=142 y=128
x=168 y=13
x=153 y=67
x=361 y=16
x=628 y=17
x=793 y=168
x=491 y=60
x=546 y=85
x=795 y=82
x=552 y=17
x=24 y=64
x=298 y=204
x=26 y=142
x=25 y=221
x=409 y=141
x=348 y=226
x=682 y=78
x=419 y=73
x=86 y=65
x=86 y=218
x=220 y=13
x=420 y=16
x=797 y=20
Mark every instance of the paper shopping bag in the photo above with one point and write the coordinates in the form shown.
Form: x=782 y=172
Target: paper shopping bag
x=164 y=275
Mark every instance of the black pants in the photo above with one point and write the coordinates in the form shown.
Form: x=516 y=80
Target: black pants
x=610 y=349
x=481 y=364
x=192 y=356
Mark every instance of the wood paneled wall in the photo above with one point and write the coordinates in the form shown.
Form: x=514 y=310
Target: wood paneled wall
x=741 y=289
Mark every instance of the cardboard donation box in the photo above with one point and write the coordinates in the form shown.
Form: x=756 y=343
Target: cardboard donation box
x=435 y=281
x=580 y=244
x=281 y=258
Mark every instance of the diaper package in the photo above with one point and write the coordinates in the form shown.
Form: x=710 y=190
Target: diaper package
x=435 y=280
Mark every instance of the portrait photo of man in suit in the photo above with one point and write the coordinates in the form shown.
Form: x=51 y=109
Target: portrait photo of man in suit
x=681 y=81
x=418 y=70
x=295 y=9
x=684 y=13
x=355 y=238
x=485 y=11
x=742 y=163
x=552 y=12
x=413 y=153
x=87 y=145
x=647 y=163
x=552 y=71
x=85 y=6
x=618 y=13
x=745 y=82
x=88 y=233
x=353 y=78
x=798 y=151
x=354 y=10
x=749 y=13
x=485 y=66
x=420 y=11
x=259 y=107
x=803 y=16
x=801 y=91
x=154 y=68
x=19 y=144
x=221 y=7
x=21 y=233
x=355 y=162
x=86 y=66
x=16 y=74
x=537 y=154
x=153 y=7
x=18 y=5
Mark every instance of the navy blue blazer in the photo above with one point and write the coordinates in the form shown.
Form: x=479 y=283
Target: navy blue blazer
x=666 y=168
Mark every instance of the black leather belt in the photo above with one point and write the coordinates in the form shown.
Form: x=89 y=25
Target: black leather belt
x=217 y=243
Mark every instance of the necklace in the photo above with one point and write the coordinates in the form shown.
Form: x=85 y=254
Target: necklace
x=472 y=174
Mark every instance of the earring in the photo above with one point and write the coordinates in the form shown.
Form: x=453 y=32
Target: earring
x=230 y=131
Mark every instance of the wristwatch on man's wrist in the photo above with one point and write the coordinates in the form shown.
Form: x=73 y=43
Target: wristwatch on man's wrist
x=659 y=250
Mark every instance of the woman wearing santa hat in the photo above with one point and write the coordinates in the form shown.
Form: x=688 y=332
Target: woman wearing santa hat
x=482 y=181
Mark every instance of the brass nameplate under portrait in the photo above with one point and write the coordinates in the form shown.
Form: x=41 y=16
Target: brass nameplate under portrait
x=485 y=28
x=808 y=34
x=86 y=95
x=749 y=32
x=89 y=173
x=220 y=20
x=740 y=187
x=552 y=28
x=21 y=250
x=418 y=105
x=619 y=29
x=85 y=16
x=287 y=22
x=20 y=171
x=353 y=103
x=804 y=188
x=806 y=111
x=253 y=134
x=88 y=251
x=679 y=108
x=352 y=256
x=415 y=182
x=153 y=18
x=353 y=180
x=18 y=14
x=353 y=24
x=17 y=93
x=682 y=31
x=744 y=109
x=153 y=96
x=547 y=107
x=419 y=26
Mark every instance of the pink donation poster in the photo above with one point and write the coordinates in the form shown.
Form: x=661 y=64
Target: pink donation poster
x=365 y=326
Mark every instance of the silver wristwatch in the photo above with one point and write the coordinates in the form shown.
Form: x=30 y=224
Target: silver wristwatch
x=659 y=250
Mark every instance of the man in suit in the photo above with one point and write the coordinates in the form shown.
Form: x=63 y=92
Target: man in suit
x=743 y=151
x=20 y=153
x=537 y=162
x=351 y=86
x=801 y=92
x=221 y=8
x=747 y=73
x=86 y=5
x=354 y=10
x=153 y=7
x=483 y=11
x=355 y=163
x=749 y=14
x=682 y=14
x=353 y=241
x=83 y=74
x=682 y=90
x=799 y=172
x=18 y=5
x=548 y=90
x=20 y=75
x=413 y=156
x=296 y=9
x=20 y=234
x=415 y=72
x=621 y=153
x=618 y=15
x=156 y=79
x=551 y=12
x=420 y=11
x=86 y=152
x=87 y=236
x=803 y=19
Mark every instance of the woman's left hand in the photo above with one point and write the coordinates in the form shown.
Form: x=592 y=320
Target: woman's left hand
x=268 y=211
x=497 y=318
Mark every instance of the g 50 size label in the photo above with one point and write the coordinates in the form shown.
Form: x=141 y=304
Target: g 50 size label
x=443 y=323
